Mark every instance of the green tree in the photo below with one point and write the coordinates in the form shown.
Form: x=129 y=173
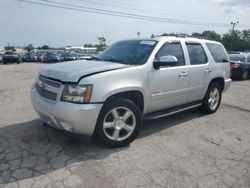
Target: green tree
x=44 y=47
x=30 y=47
x=211 y=35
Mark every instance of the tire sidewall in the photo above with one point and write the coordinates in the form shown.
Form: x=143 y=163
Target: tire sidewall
x=99 y=132
x=206 y=108
x=243 y=77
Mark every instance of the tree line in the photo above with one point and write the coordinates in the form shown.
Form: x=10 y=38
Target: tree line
x=234 y=40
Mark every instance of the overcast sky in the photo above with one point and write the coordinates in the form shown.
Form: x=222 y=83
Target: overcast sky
x=23 y=23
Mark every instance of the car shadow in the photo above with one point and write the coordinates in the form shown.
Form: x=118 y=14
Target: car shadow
x=30 y=149
x=155 y=126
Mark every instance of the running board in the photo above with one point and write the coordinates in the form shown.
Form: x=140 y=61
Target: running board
x=171 y=111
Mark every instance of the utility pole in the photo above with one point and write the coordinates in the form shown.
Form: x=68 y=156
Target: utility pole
x=138 y=34
x=233 y=24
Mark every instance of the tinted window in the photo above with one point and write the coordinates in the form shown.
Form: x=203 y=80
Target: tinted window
x=173 y=49
x=218 y=52
x=196 y=54
x=248 y=59
x=237 y=57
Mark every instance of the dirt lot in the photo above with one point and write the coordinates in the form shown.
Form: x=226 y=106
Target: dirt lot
x=186 y=150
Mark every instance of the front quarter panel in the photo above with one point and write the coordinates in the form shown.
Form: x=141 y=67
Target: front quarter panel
x=113 y=82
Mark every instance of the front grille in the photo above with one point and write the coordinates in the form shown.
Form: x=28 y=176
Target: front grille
x=46 y=94
x=48 y=88
x=49 y=82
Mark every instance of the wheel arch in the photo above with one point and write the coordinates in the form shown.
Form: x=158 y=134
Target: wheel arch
x=135 y=96
x=220 y=81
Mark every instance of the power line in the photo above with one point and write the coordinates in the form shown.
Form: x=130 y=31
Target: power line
x=148 y=9
x=136 y=15
x=75 y=7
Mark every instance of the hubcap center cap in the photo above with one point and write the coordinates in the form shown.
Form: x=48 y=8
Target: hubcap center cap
x=119 y=124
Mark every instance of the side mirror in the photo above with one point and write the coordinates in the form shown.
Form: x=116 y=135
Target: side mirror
x=164 y=61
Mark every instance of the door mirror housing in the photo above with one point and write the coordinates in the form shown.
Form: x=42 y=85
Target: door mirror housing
x=165 y=61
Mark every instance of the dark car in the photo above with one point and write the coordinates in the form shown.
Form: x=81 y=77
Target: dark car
x=29 y=57
x=69 y=57
x=10 y=56
x=240 y=66
x=52 y=57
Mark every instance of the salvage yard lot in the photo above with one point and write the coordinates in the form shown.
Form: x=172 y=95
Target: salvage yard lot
x=190 y=149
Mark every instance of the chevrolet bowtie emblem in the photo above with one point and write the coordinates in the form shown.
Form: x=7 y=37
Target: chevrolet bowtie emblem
x=41 y=84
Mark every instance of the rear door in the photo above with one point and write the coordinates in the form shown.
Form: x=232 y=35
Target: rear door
x=199 y=69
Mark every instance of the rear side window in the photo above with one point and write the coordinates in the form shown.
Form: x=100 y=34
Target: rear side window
x=174 y=49
x=218 y=52
x=248 y=58
x=196 y=54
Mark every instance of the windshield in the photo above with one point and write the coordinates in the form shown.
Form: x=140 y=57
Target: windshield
x=241 y=58
x=10 y=53
x=133 y=52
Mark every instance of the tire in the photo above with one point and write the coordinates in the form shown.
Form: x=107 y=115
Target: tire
x=244 y=75
x=212 y=99
x=123 y=121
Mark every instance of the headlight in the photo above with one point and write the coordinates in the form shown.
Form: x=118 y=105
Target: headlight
x=77 y=93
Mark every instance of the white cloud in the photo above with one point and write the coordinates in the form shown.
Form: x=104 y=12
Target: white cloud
x=233 y=3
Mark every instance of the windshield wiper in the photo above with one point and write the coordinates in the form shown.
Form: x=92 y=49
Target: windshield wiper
x=114 y=60
x=96 y=58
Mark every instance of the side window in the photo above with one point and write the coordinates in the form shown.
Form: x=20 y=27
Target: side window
x=217 y=52
x=196 y=54
x=174 y=49
x=248 y=59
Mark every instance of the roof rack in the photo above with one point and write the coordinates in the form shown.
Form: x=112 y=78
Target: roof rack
x=171 y=35
x=181 y=35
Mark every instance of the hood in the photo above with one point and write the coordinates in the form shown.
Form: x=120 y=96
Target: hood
x=74 y=70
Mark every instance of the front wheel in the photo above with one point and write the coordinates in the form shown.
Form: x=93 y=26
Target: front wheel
x=119 y=123
x=212 y=99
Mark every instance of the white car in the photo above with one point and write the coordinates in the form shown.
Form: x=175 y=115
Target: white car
x=131 y=80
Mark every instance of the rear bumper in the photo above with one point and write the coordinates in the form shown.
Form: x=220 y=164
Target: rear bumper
x=76 y=118
x=227 y=84
x=10 y=59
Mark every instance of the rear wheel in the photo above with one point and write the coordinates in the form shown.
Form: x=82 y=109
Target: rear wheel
x=119 y=123
x=212 y=99
x=244 y=75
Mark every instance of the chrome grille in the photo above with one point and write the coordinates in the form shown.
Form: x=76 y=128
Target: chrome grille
x=49 y=82
x=48 y=88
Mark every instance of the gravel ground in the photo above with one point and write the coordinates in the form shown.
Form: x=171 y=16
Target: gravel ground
x=185 y=150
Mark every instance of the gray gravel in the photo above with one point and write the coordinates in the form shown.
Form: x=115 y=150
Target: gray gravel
x=186 y=150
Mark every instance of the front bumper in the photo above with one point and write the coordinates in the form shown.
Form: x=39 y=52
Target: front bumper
x=227 y=84
x=76 y=118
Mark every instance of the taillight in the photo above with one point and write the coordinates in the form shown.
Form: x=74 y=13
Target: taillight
x=234 y=65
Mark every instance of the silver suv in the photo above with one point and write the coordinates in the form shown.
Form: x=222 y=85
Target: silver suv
x=132 y=80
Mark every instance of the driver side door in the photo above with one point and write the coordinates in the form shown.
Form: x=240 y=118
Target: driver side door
x=169 y=85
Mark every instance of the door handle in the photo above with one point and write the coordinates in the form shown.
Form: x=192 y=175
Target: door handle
x=183 y=74
x=208 y=70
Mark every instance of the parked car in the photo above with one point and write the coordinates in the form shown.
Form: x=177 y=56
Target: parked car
x=29 y=57
x=240 y=66
x=1 y=57
x=41 y=57
x=69 y=57
x=131 y=80
x=52 y=57
x=10 y=57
